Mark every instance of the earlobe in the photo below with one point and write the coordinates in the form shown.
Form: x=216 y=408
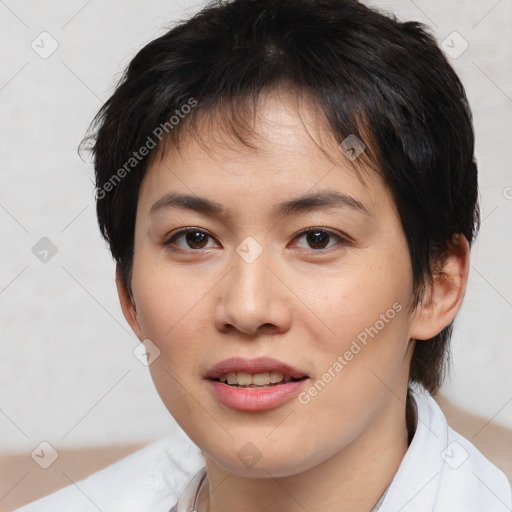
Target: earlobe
x=442 y=302
x=128 y=306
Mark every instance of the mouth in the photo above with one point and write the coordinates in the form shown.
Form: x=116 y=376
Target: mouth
x=255 y=384
x=261 y=380
x=262 y=371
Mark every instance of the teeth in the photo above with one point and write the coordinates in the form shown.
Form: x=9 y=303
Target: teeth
x=244 y=379
x=261 y=379
x=257 y=379
x=231 y=378
x=275 y=377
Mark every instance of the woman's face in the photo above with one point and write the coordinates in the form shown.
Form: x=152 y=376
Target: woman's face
x=329 y=307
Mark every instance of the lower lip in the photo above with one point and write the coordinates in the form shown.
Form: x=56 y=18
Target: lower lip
x=254 y=399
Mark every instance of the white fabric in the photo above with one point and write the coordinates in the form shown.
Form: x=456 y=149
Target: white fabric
x=441 y=472
x=150 y=479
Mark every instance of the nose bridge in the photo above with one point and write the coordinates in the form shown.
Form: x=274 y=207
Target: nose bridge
x=252 y=296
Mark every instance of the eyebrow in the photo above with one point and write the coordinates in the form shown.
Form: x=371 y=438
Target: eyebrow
x=308 y=202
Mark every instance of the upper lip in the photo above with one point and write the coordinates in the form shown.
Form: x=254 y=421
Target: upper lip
x=258 y=365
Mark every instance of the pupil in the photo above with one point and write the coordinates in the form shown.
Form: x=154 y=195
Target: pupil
x=196 y=237
x=315 y=239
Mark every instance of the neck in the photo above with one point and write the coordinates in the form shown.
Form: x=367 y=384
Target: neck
x=352 y=479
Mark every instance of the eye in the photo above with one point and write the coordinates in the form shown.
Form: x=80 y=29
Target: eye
x=195 y=239
x=318 y=238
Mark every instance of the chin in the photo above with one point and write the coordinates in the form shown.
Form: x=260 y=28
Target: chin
x=273 y=460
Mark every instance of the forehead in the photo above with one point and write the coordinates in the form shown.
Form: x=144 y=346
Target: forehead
x=291 y=152
x=251 y=126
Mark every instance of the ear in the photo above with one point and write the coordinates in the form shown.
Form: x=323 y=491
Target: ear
x=442 y=302
x=128 y=306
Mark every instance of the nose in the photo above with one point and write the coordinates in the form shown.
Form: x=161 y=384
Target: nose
x=253 y=299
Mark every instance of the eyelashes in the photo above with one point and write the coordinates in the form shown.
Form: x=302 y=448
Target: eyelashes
x=188 y=231
x=323 y=232
x=200 y=239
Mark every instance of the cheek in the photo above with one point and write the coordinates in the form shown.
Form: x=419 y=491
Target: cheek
x=169 y=313
x=365 y=301
x=364 y=357
x=168 y=300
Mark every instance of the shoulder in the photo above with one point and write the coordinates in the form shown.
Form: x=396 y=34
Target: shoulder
x=464 y=475
x=151 y=479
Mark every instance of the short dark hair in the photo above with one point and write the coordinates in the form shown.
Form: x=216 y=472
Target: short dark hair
x=372 y=76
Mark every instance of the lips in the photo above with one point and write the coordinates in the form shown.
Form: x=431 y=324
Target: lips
x=253 y=385
x=261 y=365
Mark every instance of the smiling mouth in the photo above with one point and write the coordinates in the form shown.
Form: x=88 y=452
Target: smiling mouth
x=256 y=380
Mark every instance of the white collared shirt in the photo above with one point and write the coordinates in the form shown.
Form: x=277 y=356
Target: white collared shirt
x=440 y=472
